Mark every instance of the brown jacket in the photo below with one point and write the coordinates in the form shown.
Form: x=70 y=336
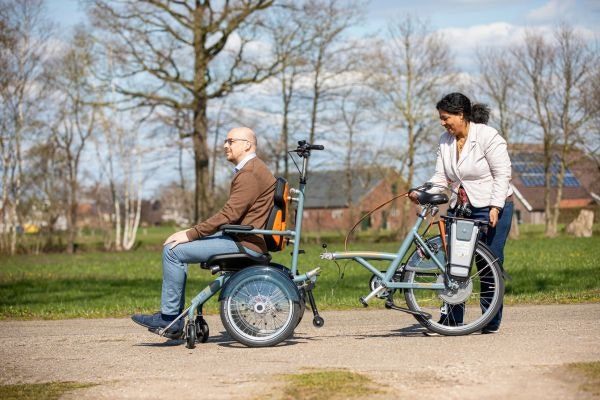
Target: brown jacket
x=249 y=203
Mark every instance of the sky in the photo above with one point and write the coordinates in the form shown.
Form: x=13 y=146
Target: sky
x=465 y=24
x=447 y=14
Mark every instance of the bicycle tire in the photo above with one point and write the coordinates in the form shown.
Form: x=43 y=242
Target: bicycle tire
x=259 y=309
x=428 y=305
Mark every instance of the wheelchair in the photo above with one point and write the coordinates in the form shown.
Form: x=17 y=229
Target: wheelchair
x=261 y=302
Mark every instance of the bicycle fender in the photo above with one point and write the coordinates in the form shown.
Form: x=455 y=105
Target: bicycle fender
x=268 y=273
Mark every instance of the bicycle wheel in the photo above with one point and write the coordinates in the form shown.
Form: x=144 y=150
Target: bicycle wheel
x=261 y=307
x=464 y=310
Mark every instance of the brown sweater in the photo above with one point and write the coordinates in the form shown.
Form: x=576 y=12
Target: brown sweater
x=249 y=203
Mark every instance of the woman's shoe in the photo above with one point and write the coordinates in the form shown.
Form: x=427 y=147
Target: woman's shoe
x=490 y=329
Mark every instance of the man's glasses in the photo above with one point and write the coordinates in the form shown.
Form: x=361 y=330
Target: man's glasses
x=230 y=141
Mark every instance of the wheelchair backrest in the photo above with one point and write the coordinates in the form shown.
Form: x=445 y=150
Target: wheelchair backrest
x=277 y=220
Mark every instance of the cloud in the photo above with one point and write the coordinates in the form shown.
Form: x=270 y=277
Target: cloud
x=465 y=41
x=551 y=11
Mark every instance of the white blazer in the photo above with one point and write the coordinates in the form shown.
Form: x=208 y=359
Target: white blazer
x=483 y=168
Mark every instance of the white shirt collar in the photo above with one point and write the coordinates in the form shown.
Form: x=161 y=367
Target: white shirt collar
x=244 y=161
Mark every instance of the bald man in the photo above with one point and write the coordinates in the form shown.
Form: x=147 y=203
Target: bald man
x=249 y=203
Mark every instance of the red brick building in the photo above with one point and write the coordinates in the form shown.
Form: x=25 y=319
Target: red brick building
x=581 y=184
x=335 y=202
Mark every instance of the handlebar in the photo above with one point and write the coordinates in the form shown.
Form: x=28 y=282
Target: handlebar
x=304 y=148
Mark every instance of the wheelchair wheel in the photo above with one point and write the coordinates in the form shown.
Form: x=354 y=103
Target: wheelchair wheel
x=190 y=335
x=461 y=311
x=261 y=307
x=202 y=331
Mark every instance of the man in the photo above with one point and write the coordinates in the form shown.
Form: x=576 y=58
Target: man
x=249 y=203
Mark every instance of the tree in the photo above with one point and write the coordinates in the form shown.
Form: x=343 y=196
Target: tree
x=536 y=60
x=23 y=90
x=555 y=77
x=409 y=73
x=498 y=82
x=573 y=74
x=181 y=55
x=120 y=156
x=288 y=31
x=326 y=57
x=75 y=119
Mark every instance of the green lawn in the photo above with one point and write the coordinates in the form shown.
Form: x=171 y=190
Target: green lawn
x=100 y=284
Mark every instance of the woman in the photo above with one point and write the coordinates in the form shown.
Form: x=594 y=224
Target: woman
x=473 y=161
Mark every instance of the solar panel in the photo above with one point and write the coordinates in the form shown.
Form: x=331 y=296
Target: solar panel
x=530 y=167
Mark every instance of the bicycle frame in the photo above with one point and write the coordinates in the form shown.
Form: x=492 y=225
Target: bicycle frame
x=386 y=277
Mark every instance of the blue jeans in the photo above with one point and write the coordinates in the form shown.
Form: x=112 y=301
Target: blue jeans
x=495 y=238
x=175 y=260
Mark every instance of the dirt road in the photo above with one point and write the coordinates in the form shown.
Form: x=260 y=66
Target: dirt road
x=523 y=361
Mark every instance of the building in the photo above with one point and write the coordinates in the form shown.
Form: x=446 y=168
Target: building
x=335 y=202
x=581 y=183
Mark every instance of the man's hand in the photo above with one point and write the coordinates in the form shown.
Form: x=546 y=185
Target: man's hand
x=176 y=238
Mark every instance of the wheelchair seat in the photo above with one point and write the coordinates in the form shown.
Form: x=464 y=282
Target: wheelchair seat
x=234 y=261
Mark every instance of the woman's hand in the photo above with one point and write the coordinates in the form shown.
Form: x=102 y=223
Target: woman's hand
x=176 y=238
x=413 y=197
x=494 y=212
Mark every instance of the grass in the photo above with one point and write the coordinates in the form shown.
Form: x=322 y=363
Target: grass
x=36 y=391
x=101 y=284
x=590 y=372
x=328 y=384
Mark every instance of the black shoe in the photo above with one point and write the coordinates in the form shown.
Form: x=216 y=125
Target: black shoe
x=447 y=322
x=490 y=329
x=156 y=322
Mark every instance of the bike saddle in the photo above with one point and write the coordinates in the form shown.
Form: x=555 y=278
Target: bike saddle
x=431 y=198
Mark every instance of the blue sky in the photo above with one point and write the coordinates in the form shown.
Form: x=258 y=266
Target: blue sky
x=467 y=13
x=465 y=24
x=442 y=14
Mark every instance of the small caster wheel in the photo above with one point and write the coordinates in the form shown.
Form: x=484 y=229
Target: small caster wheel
x=318 y=321
x=190 y=335
x=201 y=330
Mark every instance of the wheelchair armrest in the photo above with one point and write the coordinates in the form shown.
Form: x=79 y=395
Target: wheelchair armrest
x=236 y=227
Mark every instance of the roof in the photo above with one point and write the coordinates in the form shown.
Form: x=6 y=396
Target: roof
x=327 y=189
x=528 y=177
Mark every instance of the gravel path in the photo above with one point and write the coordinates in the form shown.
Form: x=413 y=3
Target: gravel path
x=523 y=361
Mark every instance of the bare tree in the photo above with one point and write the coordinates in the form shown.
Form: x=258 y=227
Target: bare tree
x=409 y=73
x=120 y=156
x=288 y=30
x=359 y=150
x=181 y=55
x=591 y=142
x=328 y=55
x=573 y=75
x=498 y=82
x=536 y=62
x=75 y=119
x=555 y=78
x=25 y=31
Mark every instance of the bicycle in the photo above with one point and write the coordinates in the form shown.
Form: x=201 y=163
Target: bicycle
x=455 y=295
x=261 y=302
